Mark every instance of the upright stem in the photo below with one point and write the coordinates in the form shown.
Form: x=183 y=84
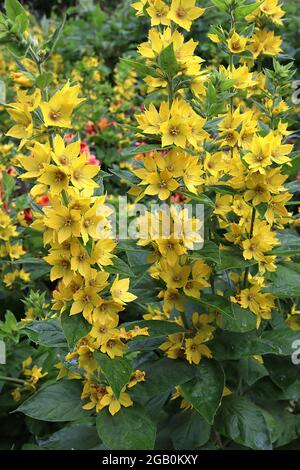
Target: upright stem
x=170 y=92
x=250 y=236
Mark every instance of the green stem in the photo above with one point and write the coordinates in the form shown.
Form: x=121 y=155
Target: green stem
x=250 y=236
x=170 y=92
x=3 y=378
x=184 y=320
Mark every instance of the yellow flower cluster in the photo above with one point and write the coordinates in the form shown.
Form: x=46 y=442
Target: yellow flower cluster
x=246 y=160
x=33 y=374
x=75 y=226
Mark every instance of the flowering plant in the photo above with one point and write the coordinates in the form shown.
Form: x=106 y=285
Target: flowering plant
x=185 y=336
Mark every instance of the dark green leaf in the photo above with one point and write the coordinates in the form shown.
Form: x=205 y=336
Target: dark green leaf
x=117 y=371
x=74 y=437
x=74 y=327
x=162 y=376
x=242 y=421
x=46 y=332
x=188 y=430
x=56 y=403
x=129 y=429
x=205 y=391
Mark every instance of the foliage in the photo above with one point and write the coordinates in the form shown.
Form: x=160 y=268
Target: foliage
x=156 y=342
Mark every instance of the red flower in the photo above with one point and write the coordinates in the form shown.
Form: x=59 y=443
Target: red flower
x=93 y=160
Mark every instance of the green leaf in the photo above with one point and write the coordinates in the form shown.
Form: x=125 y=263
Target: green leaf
x=221 y=4
x=131 y=152
x=242 y=421
x=285 y=281
x=293 y=186
x=205 y=391
x=188 y=430
x=117 y=371
x=168 y=62
x=201 y=198
x=231 y=259
x=120 y=267
x=74 y=437
x=245 y=10
x=74 y=327
x=51 y=43
x=142 y=68
x=251 y=370
x=219 y=304
x=289 y=244
x=129 y=429
x=31 y=261
x=210 y=251
x=243 y=320
x=162 y=376
x=20 y=24
x=56 y=403
x=232 y=346
x=46 y=332
x=44 y=80
x=13 y=9
x=8 y=184
x=125 y=175
x=284 y=374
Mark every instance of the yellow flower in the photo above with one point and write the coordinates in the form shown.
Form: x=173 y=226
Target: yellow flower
x=65 y=221
x=62 y=154
x=139 y=7
x=158 y=12
x=113 y=347
x=195 y=349
x=24 y=127
x=35 y=163
x=260 y=154
x=114 y=404
x=119 y=291
x=82 y=174
x=176 y=276
x=175 y=132
x=58 y=110
x=55 y=177
x=103 y=329
x=214 y=38
x=253 y=248
x=85 y=300
x=183 y=12
x=236 y=43
x=161 y=184
x=137 y=377
x=20 y=78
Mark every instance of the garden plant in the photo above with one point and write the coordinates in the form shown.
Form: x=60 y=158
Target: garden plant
x=149 y=226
